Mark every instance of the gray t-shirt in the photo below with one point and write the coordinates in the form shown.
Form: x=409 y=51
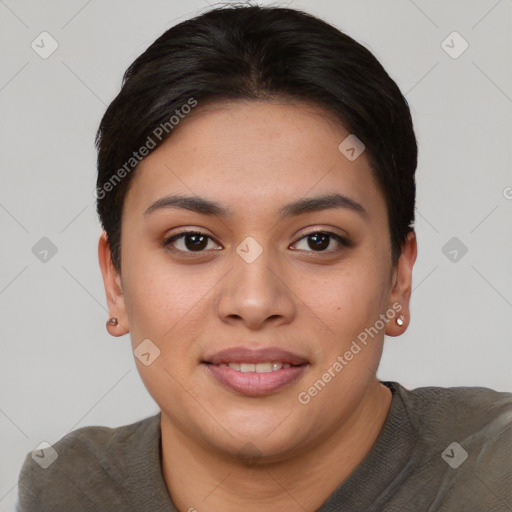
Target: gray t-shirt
x=440 y=450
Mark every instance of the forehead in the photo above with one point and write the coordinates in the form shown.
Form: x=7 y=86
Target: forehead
x=252 y=152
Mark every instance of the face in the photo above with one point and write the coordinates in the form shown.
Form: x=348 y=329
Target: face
x=271 y=277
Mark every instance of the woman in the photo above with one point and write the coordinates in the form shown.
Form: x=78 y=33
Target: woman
x=256 y=189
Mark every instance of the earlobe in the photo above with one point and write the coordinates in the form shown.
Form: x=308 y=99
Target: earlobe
x=402 y=287
x=117 y=323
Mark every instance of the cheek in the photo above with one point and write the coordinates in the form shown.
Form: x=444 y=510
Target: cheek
x=350 y=303
x=168 y=304
x=156 y=295
x=163 y=307
x=349 y=298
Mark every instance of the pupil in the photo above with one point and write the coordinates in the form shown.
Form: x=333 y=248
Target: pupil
x=318 y=241
x=321 y=241
x=199 y=243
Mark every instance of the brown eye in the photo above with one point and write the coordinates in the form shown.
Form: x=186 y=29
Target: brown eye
x=188 y=241
x=319 y=241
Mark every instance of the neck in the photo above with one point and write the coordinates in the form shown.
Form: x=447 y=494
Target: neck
x=200 y=479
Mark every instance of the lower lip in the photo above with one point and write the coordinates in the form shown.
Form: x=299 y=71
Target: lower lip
x=253 y=383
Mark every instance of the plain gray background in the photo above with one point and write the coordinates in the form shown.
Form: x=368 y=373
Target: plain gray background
x=60 y=370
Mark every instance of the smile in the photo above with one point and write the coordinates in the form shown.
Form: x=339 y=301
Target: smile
x=258 y=368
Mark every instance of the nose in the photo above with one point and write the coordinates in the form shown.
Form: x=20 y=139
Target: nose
x=256 y=293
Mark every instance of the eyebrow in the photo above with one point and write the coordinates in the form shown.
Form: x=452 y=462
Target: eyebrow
x=207 y=207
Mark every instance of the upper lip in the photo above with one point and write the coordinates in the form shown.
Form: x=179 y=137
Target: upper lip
x=248 y=355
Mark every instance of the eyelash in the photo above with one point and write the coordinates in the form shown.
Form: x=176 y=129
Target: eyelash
x=344 y=242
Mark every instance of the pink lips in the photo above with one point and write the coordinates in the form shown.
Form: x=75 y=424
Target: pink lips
x=253 y=383
x=237 y=354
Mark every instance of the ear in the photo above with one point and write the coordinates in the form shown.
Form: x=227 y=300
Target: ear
x=113 y=288
x=401 y=286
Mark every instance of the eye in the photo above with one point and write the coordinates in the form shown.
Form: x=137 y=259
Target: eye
x=196 y=241
x=319 y=241
x=188 y=241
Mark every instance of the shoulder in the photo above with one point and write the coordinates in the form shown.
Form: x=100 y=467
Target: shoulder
x=74 y=470
x=464 y=444
x=461 y=411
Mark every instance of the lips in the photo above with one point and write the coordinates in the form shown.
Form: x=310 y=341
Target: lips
x=252 y=356
x=255 y=373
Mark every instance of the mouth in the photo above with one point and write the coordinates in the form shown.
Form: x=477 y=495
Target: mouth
x=265 y=367
x=255 y=372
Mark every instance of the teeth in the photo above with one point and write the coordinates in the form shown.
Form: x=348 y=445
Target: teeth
x=264 y=367
x=258 y=368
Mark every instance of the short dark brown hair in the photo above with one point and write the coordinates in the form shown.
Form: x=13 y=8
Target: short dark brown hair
x=255 y=52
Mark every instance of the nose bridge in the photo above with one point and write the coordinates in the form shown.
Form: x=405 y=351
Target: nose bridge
x=256 y=277
x=254 y=290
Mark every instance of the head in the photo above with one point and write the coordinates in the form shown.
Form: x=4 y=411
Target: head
x=289 y=153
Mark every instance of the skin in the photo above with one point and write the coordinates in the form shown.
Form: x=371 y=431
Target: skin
x=255 y=157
